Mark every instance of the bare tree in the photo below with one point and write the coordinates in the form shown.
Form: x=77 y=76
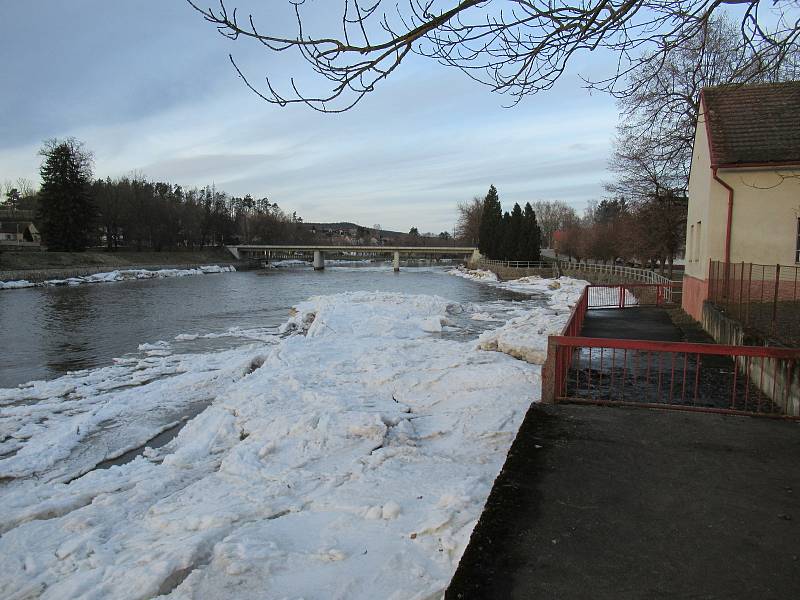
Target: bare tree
x=552 y=216
x=659 y=107
x=657 y=192
x=517 y=47
x=469 y=220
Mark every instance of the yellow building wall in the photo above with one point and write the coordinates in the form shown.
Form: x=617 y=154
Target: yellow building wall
x=766 y=206
x=708 y=205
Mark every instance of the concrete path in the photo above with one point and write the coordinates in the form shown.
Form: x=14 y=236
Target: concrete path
x=612 y=503
x=646 y=323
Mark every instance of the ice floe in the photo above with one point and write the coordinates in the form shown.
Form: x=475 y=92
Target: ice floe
x=524 y=336
x=120 y=275
x=347 y=456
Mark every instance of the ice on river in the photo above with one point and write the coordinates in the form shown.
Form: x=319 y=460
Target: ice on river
x=348 y=456
x=119 y=275
x=524 y=336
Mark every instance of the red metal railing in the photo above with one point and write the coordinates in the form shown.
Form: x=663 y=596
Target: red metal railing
x=575 y=322
x=763 y=298
x=687 y=376
x=707 y=377
x=632 y=294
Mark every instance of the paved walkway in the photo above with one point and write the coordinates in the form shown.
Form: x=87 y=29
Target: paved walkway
x=596 y=502
x=645 y=323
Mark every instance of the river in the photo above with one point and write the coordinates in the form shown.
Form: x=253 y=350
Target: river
x=48 y=331
x=196 y=435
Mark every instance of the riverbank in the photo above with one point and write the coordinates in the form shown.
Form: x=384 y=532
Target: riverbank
x=43 y=266
x=114 y=276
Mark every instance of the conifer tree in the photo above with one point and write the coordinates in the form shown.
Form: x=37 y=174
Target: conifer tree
x=530 y=238
x=514 y=234
x=504 y=238
x=491 y=222
x=66 y=211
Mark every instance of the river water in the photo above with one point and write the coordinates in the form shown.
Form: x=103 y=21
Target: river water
x=49 y=331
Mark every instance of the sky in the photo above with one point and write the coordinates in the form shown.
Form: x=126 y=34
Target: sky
x=147 y=86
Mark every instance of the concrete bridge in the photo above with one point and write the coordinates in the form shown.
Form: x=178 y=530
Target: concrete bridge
x=267 y=252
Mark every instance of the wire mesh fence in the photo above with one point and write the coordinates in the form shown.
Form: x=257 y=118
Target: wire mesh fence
x=765 y=299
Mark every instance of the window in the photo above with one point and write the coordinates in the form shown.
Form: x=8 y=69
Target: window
x=690 y=244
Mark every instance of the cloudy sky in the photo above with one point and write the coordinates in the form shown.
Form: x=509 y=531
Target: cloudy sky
x=147 y=86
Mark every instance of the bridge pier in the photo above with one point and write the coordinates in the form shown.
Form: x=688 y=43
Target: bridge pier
x=396 y=262
x=319 y=260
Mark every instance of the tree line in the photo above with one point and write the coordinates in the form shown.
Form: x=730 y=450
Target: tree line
x=74 y=211
x=499 y=235
x=649 y=233
x=643 y=218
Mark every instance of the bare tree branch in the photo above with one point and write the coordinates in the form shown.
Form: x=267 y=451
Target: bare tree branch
x=517 y=47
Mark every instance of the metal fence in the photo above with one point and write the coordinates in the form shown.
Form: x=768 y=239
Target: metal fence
x=629 y=294
x=627 y=273
x=751 y=380
x=519 y=268
x=517 y=264
x=765 y=299
x=707 y=377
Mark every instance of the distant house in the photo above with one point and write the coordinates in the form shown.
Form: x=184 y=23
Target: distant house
x=17 y=233
x=744 y=185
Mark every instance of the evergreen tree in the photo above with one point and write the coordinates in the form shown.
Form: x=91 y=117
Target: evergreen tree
x=491 y=222
x=66 y=210
x=514 y=234
x=505 y=247
x=530 y=236
x=12 y=199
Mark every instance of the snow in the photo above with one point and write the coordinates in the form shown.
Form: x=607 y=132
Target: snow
x=120 y=275
x=288 y=263
x=524 y=336
x=474 y=274
x=348 y=455
x=15 y=285
x=337 y=262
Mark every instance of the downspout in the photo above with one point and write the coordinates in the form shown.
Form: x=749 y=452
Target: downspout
x=730 y=214
x=727 y=230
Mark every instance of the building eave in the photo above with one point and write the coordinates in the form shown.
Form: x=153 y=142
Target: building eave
x=756 y=165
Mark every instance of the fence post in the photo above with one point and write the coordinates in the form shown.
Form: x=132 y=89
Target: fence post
x=711 y=274
x=775 y=296
x=749 y=287
x=549 y=373
x=621 y=297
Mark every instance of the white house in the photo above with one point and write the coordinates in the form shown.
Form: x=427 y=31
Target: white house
x=744 y=186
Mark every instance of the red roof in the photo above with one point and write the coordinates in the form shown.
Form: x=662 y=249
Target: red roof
x=752 y=125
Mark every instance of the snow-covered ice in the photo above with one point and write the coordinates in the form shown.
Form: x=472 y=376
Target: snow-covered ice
x=481 y=275
x=289 y=262
x=348 y=455
x=120 y=275
x=524 y=336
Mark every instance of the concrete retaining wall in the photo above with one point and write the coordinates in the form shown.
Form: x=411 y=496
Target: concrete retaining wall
x=778 y=379
x=516 y=272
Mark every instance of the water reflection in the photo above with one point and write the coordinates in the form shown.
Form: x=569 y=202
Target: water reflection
x=48 y=331
x=67 y=316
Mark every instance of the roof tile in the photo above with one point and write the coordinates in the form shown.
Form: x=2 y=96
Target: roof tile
x=754 y=124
